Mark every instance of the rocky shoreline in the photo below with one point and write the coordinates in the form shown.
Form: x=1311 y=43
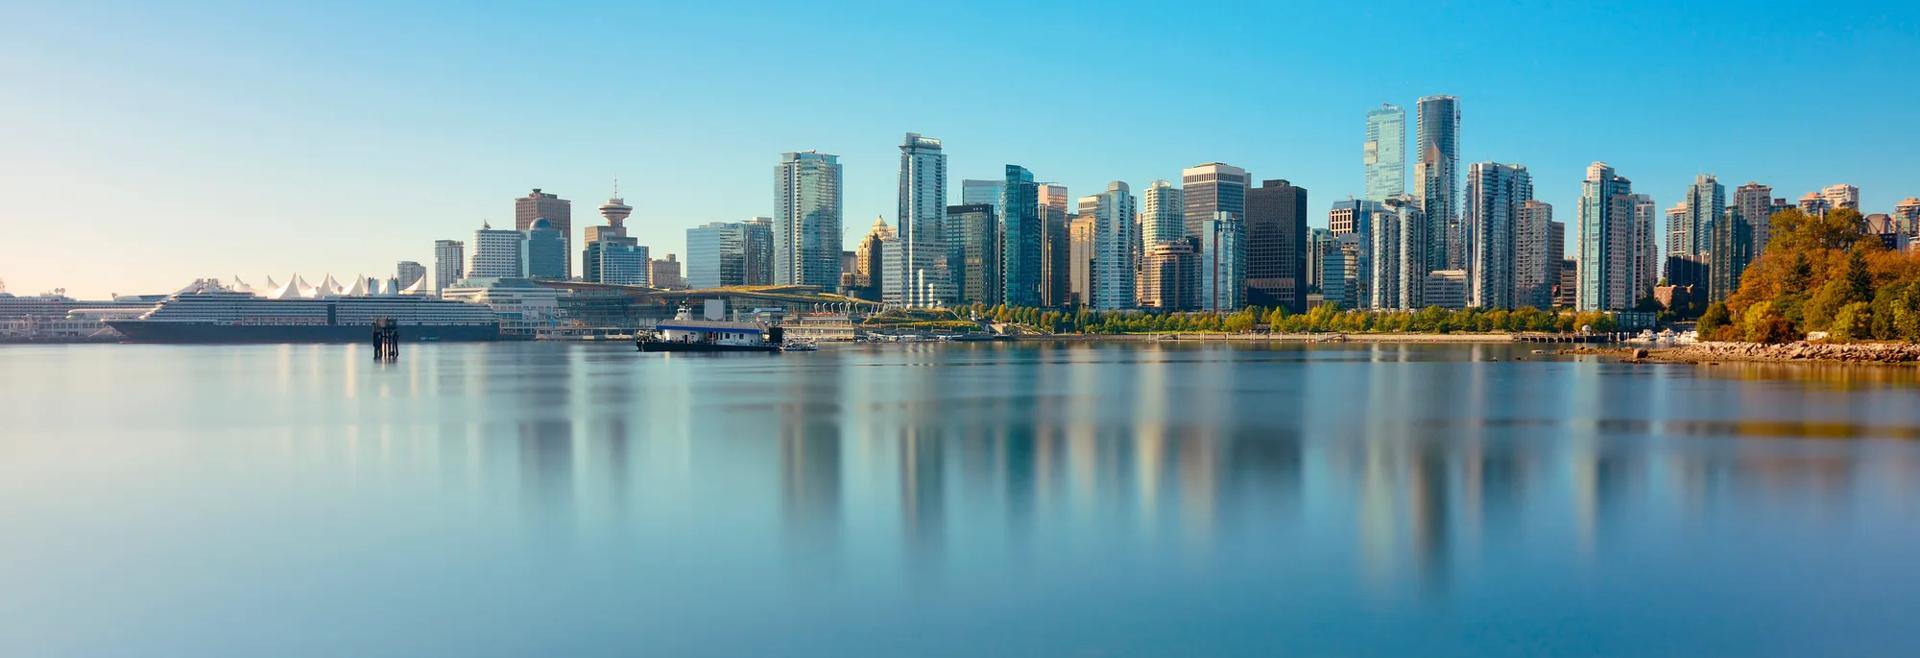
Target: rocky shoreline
x=1783 y=352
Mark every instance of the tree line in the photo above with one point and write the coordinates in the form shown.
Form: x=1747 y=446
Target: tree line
x=1821 y=273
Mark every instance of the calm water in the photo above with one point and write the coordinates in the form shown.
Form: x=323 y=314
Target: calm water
x=1111 y=500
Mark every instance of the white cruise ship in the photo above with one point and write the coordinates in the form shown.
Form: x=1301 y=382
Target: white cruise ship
x=210 y=312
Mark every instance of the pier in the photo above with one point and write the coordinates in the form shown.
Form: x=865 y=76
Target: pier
x=1574 y=338
x=386 y=340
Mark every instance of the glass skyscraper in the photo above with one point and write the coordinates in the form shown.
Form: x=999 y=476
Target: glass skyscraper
x=973 y=253
x=546 y=251
x=806 y=221
x=1210 y=188
x=1162 y=214
x=1276 y=216
x=1436 y=179
x=923 y=206
x=1385 y=152
x=1606 y=240
x=1021 y=238
x=976 y=191
x=1495 y=193
x=1113 y=240
x=1223 y=263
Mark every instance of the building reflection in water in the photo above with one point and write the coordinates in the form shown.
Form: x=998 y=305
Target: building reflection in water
x=809 y=433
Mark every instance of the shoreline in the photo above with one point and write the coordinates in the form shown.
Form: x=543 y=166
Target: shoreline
x=1709 y=353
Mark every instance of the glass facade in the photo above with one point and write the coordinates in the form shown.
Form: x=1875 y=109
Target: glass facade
x=1223 y=263
x=1385 y=152
x=1210 y=188
x=973 y=258
x=806 y=231
x=1495 y=193
x=1021 y=238
x=1606 y=236
x=1113 y=267
x=1437 y=179
x=1276 y=216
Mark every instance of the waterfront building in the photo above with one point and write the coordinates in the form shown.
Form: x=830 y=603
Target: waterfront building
x=1210 y=188
x=1906 y=215
x=406 y=273
x=806 y=224
x=1754 y=204
x=1729 y=251
x=1646 y=249
x=730 y=254
x=989 y=192
x=615 y=212
x=1347 y=272
x=1688 y=271
x=1334 y=287
x=1436 y=178
x=621 y=261
x=545 y=251
x=973 y=245
x=1222 y=244
x=1567 y=294
x=1399 y=257
x=1606 y=240
x=557 y=211
x=1319 y=241
x=664 y=273
x=922 y=211
x=449 y=263
x=1056 y=245
x=1170 y=275
x=1446 y=289
x=1352 y=216
x=1385 y=152
x=1080 y=261
x=526 y=309
x=1841 y=195
x=1022 y=239
x=1113 y=268
x=1276 y=222
x=1535 y=257
x=497 y=253
x=1495 y=193
x=893 y=278
x=1162 y=214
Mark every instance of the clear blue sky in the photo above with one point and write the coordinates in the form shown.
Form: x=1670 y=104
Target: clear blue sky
x=148 y=143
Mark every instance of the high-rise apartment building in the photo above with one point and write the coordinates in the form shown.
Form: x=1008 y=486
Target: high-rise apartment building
x=1535 y=257
x=1022 y=239
x=1162 y=213
x=1814 y=204
x=1080 y=252
x=1754 y=204
x=1344 y=277
x=923 y=204
x=1276 y=216
x=1385 y=152
x=1906 y=215
x=1113 y=268
x=1495 y=193
x=1730 y=250
x=1319 y=241
x=730 y=254
x=1556 y=251
x=497 y=253
x=1170 y=275
x=406 y=273
x=1646 y=248
x=1436 y=178
x=1210 y=188
x=449 y=264
x=758 y=243
x=1841 y=195
x=806 y=220
x=1352 y=216
x=1053 y=207
x=1606 y=240
x=557 y=211
x=973 y=246
x=1706 y=202
x=1223 y=263
x=1399 y=255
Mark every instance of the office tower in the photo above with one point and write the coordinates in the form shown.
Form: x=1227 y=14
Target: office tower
x=757 y=242
x=806 y=220
x=1730 y=249
x=557 y=211
x=1567 y=294
x=1223 y=263
x=1352 y=216
x=1401 y=243
x=615 y=212
x=1022 y=239
x=973 y=244
x=730 y=254
x=621 y=261
x=406 y=273
x=1385 y=152
x=872 y=276
x=664 y=273
x=449 y=264
x=1276 y=216
x=1210 y=188
x=1446 y=289
x=1841 y=195
x=1080 y=236
x=1753 y=202
x=893 y=263
x=1606 y=240
x=1706 y=202
x=1495 y=193
x=1556 y=248
x=1319 y=241
x=497 y=253
x=1112 y=212
x=923 y=205
x=1646 y=248
x=1436 y=179
x=1162 y=214
x=1535 y=256
x=544 y=251
x=989 y=192
x=1814 y=204
x=1170 y=275
x=1906 y=215
x=1056 y=244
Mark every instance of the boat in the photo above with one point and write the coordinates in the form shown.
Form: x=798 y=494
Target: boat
x=209 y=312
x=798 y=346
x=685 y=334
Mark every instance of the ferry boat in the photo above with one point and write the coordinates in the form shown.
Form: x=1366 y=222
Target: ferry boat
x=209 y=312
x=685 y=334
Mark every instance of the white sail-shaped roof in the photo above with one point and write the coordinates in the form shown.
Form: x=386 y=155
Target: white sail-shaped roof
x=289 y=291
x=271 y=286
x=300 y=287
x=328 y=287
x=359 y=288
x=240 y=285
x=418 y=287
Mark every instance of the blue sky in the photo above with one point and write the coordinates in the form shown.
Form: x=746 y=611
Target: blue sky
x=149 y=143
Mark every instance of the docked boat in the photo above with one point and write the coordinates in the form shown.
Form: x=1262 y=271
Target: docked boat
x=684 y=333
x=210 y=312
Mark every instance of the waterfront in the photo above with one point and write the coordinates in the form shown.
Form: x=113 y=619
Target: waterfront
x=950 y=499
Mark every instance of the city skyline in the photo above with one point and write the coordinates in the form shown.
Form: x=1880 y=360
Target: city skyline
x=249 y=153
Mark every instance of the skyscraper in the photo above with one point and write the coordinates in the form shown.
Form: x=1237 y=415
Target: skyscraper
x=1906 y=215
x=1210 y=188
x=806 y=220
x=1170 y=275
x=557 y=211
x=1276 y=216
x=1557 y=270
x=1352 y=216
x=1162 y=213
x=757 y=242
x=1436 y=178
x=449 y=263
x=1535 y=261
x=1080 y=260
x=1022 y=239
x=1319 y=241
x=872 y=276
x=923 y=206
x=1606 y=240
x=1731 y=249
x=990 y=192
x=716 y=255
x=1495 y=193
x=615 y=211
x=1841 y=195
x=545 y=251
x=1385 y=152
x=1706 y=202
x=1056 y=244
x=407 y=273
x=497 y=253
x=1814 y=204
x=973 y=244
x=1223 y=263
x=1399 y=255
x=1753 y=202
x=1112 y=212
x=1646 y=248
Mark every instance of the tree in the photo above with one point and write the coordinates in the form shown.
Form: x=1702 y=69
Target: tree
x=1714 y=321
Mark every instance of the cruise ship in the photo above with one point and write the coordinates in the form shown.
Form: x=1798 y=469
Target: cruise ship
x=208 y=311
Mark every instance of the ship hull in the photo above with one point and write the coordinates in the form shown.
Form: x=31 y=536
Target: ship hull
x=669 y=346
x=178 y=332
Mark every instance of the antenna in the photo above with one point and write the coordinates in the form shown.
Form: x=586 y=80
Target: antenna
x=616 y=187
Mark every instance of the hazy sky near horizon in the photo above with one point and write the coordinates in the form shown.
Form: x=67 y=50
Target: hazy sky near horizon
x=146 y=144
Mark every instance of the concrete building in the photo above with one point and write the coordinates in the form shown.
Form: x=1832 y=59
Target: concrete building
x=1495 y=193
x=1170 y=275
x=1906 y=215
x=1754 y=204
x=1535 y=259
x=1352 y=216
x=557 y=211
x=1080 y=261
x=615 y=212
x=1729 y=251
x=870 y=273
x=1162 y=214
x=1556 y=250
x=1436 y=179
x=1347 y=275
x=497 y=254
x=621 y=262
x=1814 y=204
x=1210 y=188
x=1399 y=255
x=1446 y=289
x=1384 y=154
x=1113 y=267
x=1276 y=216
x=806 y=222
x=1222 y=244
x=1841 y=195
x=1687 y=234
x=664 y=273
x=1606 y=240
x=407 y=273
x=526 y=309
x=730 y=254
x=1319 y=241
x=1645 y=249
x=1567 y=294
x=449 y=263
